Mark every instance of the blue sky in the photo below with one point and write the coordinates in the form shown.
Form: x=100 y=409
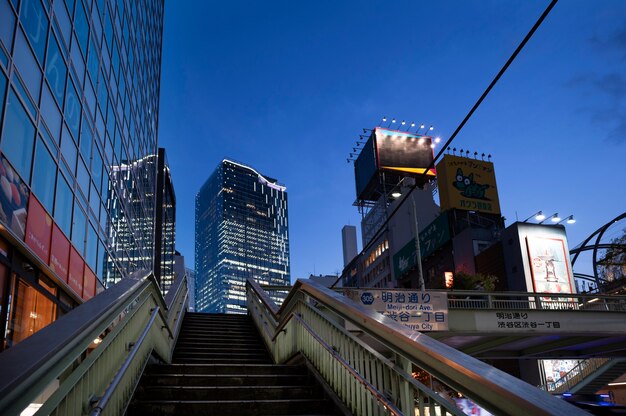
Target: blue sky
x=287 y=86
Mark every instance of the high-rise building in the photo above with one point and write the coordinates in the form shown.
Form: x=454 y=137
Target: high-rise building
x=348 y=243
x=165 y=231
x=79 y=105
x=241 y=232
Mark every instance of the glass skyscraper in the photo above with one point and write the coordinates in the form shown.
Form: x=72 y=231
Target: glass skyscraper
x=79 y=100
x=241 y=232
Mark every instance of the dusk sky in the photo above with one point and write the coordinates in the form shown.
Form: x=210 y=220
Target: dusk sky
x=287 y=86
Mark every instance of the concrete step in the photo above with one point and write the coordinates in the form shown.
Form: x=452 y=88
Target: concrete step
x=234 y=361
x=227 y=392
x=225 y=369
x=230 y=408
x=210 y=380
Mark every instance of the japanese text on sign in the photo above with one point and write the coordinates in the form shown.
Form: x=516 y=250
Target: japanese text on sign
x=421 y=311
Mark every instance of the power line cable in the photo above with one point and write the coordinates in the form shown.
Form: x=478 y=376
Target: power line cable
x=466 y=119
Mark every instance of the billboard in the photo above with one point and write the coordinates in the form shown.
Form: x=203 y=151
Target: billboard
x=467 y=184
x=549 y=265
x=397 y=153
x=404 y=152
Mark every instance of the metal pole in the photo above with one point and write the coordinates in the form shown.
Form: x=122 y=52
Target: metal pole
x=418 y=256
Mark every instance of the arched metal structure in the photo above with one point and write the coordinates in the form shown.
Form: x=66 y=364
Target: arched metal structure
x=594 y=243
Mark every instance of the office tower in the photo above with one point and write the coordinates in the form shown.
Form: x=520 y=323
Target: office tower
x=165 y=231
x=241 y=232
x=79 y=101
x=348 y=242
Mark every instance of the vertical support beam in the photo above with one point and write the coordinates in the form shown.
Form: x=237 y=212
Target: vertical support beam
x=405 y=393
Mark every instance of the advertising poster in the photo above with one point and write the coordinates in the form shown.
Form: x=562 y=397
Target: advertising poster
x=548 y=265
x=59 y=253
x=13 y=199
x=38 y=229
x=467 y=184
x=420 y=311
x=75 y=278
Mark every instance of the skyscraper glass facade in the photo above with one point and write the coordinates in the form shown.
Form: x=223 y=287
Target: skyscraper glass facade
x=79 y=99
x=241 y=232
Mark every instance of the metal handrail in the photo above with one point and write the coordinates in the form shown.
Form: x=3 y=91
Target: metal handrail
x=113 y=316
x=493 y=389
x=476 y=299
x=373 y=391
x=106 y=397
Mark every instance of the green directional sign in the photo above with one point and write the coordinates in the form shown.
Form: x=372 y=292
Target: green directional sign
x=435 y=235
x=404 y=260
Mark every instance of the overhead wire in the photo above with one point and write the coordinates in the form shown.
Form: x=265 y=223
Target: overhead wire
x=519 y=48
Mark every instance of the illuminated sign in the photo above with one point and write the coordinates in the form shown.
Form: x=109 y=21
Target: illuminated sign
x=403 y=152
x=397 y=154
x=467 y=184
x=420 y=311
x=548 y=265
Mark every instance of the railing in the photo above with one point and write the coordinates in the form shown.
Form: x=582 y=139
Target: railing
x=582 y=370
x=312 y=321
x=130 y=321
x=523 y=300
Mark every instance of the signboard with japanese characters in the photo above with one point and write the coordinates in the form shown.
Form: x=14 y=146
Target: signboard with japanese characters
x=421 y=311
x=467 y=184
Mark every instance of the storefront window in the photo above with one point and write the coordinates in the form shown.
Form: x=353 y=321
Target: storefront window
x=32 y=311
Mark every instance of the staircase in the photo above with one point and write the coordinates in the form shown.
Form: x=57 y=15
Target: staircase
x=220 y=366
x=608 y=372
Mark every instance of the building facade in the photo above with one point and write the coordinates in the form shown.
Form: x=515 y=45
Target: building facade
x=241 y=232
x=79 y=100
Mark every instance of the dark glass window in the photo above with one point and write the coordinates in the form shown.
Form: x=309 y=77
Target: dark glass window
x=65 y=27
x=18 y=136
x=72 y=109
x=44 y=175
x=35 y=23
x=56 y=70
x=92 y=248
x=82 y=27
x=51 y=113
x=78 y=229
x=27 y=66
x=86 y=140
x=63 y=205
x=7 y=24
x=68 y=150
x=3 y=89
